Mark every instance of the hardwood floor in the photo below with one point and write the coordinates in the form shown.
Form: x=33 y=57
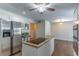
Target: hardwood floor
x=63 y=48
x=18 y=54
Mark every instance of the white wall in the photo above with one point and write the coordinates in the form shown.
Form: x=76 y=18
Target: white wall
x=41 y=30
x=6 y=15
x=47 y=27
x=63 y=31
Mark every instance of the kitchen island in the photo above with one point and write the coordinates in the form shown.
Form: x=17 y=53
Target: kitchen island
x=44 y=47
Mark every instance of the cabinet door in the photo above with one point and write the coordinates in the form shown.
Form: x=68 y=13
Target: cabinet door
x=28 y=50
x=44 y=50
x=51 y=46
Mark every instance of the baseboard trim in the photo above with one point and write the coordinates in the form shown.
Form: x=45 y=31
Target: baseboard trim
x=74 y=53
x=64 y=39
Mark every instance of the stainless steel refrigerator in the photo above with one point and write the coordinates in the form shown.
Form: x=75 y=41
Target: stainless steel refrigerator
x=10 y=37
x=16 y=40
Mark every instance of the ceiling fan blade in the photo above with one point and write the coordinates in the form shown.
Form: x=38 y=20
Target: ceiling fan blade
x=32 y=9
x=47 y=3
x=50 y=9
x=41 y=12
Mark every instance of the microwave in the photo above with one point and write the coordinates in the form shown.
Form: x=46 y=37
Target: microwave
x=6 y=33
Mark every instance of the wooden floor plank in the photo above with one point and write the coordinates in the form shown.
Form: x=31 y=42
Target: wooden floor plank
x=63 y=48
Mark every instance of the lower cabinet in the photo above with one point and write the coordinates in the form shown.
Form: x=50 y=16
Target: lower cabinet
x=45 y=50
x=51 y=46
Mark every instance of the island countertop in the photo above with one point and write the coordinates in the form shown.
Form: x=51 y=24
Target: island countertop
x=48 y=37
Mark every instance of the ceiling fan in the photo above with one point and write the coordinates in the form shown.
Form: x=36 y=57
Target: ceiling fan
x=41 y=7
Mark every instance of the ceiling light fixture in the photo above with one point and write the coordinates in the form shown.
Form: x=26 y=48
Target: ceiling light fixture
x=77 y=22
x=61 y=21
x=24 y=12
x=41 y=7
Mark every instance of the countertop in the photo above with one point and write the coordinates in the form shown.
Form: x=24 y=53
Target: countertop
x=48 y=37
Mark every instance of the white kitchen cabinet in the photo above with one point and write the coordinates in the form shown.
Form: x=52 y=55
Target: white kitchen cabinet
x=45 y=50
x=51 y=46
x=28 y=50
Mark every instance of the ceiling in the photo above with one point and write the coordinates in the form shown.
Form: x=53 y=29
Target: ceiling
x=62 y=10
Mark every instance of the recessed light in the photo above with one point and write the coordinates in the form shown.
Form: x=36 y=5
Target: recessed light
x=76 y=22
x=24 y=12
x=60 y=23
